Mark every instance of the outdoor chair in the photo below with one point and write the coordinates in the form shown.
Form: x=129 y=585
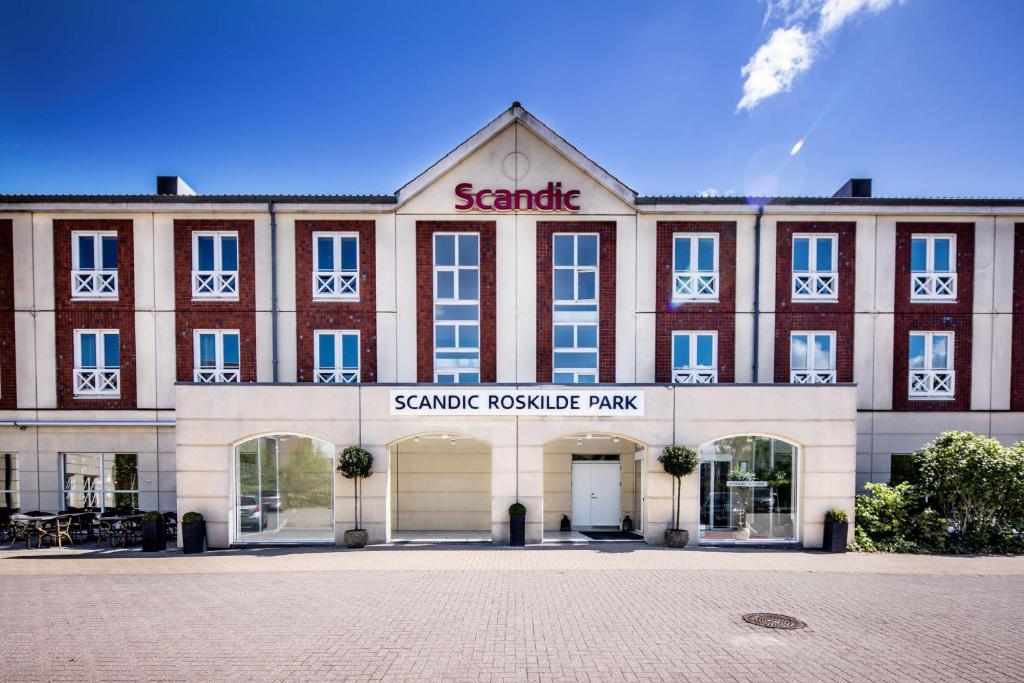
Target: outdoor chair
x=105 y=531
x=23 y=530
x=171 y=525
x=81 y=526
x=56 y=530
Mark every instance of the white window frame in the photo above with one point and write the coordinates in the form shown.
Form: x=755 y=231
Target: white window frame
x=92 y=283
x=931 y=383
x=455 y=372
x=338 y=284
x=812 y=374
x=930 y=284
x=577 y=373
x=814 y=284
x=219 y=373
x=338 y=374
x=100 y=492
x=218 y=283
x=692 y=373
x=577 y=269
x=101 y=381
x=688 y=283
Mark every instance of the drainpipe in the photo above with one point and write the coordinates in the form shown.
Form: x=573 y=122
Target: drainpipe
x=757 y=289
x=273 y=288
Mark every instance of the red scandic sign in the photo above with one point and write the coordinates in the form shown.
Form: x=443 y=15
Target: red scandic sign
x=551 y=198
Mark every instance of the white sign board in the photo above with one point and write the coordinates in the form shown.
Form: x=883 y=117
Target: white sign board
x=746 y=484
x=533 y=402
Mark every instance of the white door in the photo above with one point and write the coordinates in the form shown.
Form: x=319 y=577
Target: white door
x=595 y=494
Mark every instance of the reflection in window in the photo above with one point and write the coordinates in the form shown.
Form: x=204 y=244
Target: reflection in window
x=932 y=268
x=812 y=358
x=456 y=308
x=694 y=267
x=748 y=490
x=284 y=490
x=575 y=346
x=100 y=481
x=695 y=357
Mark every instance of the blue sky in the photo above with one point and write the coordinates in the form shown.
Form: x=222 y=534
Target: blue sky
x=924 y=96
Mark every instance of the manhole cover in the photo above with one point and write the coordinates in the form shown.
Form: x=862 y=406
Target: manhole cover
x=768 y=620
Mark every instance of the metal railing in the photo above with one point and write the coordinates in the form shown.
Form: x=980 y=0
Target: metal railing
x=688 y=286
x=931 y=383
x=97 y=381
x=336 y=376
x=815 y=285
x=812 y=377
x=94 y=284
x=215 y=376
x=932 y=286
x=695 y=376
x=214 y=283
x=335 y=284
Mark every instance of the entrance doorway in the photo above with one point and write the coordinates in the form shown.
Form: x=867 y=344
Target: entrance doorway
x=596 y=496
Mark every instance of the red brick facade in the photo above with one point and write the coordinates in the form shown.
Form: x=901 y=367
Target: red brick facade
x=1017 y=352
x=8 y=358
x=425 y=295
x=215 y=315
x=953 y=316
x=606 y=295
x=313 y=314
x=813 y=316
x=719 y=316
x=71 y=315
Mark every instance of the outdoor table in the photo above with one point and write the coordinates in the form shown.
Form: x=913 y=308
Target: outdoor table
x=31 y=522
x=119 y=520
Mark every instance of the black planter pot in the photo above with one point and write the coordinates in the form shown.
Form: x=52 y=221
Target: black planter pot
x=835 y=537
x=154 y=535
x=193 y=537
x=517 y=530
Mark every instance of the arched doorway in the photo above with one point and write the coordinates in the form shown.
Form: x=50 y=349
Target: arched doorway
x=748 y=490
x=284 y=490
x=440 y=486
x=596 y=480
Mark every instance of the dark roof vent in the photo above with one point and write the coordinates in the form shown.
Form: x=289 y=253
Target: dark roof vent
x=172 y=184
x=855 y=187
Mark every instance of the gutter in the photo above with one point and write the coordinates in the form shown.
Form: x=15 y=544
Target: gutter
x=273 y=287
x=757 y=292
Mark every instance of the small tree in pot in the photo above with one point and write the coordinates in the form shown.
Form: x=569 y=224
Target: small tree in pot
x=356 y=463
x=679 y=462
x=193 y=533
x=837 y=526
x=517 y=524
x=154 y=532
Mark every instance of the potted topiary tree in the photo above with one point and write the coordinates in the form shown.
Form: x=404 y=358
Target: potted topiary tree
x=154 y=532
x=679 y=462
x=738 y=474
x=356 y=463
x=837 y=526
x=193 y=533
x=517 y=524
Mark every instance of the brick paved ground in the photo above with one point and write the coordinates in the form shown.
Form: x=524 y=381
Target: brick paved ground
x=598 y=613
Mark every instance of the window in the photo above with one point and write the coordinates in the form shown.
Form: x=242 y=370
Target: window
x=9 y=482
x=94 y=265
x=100 y=481
x=215 y=265
x=336 y=266
x=812 y=357
x=932 y=267
x=575 y=349
x=814 y=267
x=695 y=357
x=931 y=368
x=337 y=357
x=97 y=364
x=904 y=469
x=456 y=308
x=694 y=267
x=217 y=356
x=575 y=274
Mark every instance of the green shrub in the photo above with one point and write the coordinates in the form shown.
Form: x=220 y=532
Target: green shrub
x=738 y=474
x=884 y=516
x=152 y=516
x=517 y=509
x=837 y=515
x=191 y=518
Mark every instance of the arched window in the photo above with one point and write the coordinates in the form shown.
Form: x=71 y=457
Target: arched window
x=284 y=490
x=748 y=490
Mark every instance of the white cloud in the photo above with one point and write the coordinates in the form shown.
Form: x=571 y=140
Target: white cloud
x=710 y=192
x=790 y=51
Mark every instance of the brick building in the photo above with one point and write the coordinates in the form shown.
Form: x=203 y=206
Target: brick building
x=178 y=351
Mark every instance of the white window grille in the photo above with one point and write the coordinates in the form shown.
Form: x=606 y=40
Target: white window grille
x=217 y=356
x=815 y=273
x=97 y=372
x=93 y=265
x=812 y=357
x=337 y=356
x=575 y=346
x=695 y=357
x=215 y=265
x=456 y=308
x=931 y=365
x=695 y=267
x=336 y=266
x=933 y=268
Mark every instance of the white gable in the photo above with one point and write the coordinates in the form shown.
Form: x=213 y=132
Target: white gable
x=515 y=152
